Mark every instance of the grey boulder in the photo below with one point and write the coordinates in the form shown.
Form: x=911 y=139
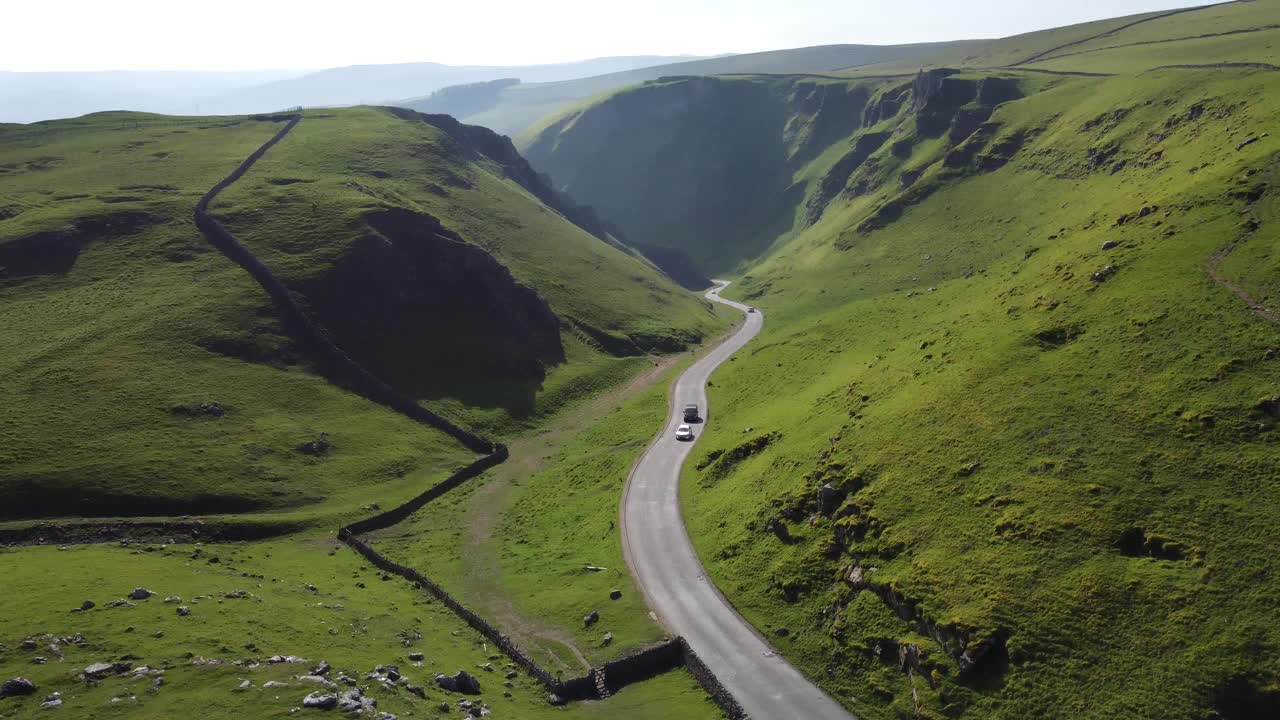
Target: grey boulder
x=17 y=686
x=462 y=681
x=320 y=701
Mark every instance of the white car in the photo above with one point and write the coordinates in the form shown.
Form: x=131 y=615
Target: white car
x=684 y=432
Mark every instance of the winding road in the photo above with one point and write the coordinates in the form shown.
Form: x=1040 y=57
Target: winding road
x=667 y=568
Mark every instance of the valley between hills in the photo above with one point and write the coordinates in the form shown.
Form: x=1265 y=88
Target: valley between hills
x=345 y=410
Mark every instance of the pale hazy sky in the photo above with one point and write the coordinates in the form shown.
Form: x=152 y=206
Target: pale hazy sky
x=271 y=34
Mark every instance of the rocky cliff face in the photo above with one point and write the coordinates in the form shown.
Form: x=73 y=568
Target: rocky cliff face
x=944 y=103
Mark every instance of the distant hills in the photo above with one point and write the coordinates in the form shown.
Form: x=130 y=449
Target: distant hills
x=31 y=97
x=512 y=109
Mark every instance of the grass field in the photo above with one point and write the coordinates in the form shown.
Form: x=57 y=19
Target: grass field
x=354 y=619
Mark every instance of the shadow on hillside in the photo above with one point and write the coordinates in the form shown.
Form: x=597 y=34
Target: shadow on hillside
x=47 y=498
x=435 y=316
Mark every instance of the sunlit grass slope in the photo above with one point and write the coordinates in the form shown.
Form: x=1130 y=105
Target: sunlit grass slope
x=121 y=322
x=1042 y=420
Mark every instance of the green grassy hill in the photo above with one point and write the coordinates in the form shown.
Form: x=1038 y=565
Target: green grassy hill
x=1006 y=445
x=513 y=109
x=146 y=374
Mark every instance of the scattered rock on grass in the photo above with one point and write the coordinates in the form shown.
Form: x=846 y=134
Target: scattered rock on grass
x=29 y=644
x=183 y=611
x=615 y=594
x=140 y=593
x=54 y=700
x=355 y=701
x=274 y=684
x=416 y=657
x=591 y=618
x=320 y=701
x=316 y=447
x=17 y=686
x=462 y=682
x=87 y=605
x=97 y=671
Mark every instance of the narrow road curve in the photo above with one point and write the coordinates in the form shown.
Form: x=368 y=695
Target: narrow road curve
x=667 y=568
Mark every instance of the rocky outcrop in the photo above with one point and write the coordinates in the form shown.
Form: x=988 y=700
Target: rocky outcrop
x=972 y=652
x=957 y=106
x=17 y=686
x=461 y=681
x=888 y=104
x=837 y=178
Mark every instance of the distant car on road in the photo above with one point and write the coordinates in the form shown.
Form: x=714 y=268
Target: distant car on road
x=751 y=309
x=684 y=432
x=690 y=413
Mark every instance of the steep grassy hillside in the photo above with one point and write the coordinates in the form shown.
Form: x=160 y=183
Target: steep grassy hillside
x=1012 y=445
x=145 y=374
x=712 y=168
x=142 y=372
x=1006 y=446
x=515 y=109
x=426 y=206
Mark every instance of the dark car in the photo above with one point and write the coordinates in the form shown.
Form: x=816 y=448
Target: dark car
x=691 y=413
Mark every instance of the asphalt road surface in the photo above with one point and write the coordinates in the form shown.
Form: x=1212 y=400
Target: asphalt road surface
x=668 y=570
